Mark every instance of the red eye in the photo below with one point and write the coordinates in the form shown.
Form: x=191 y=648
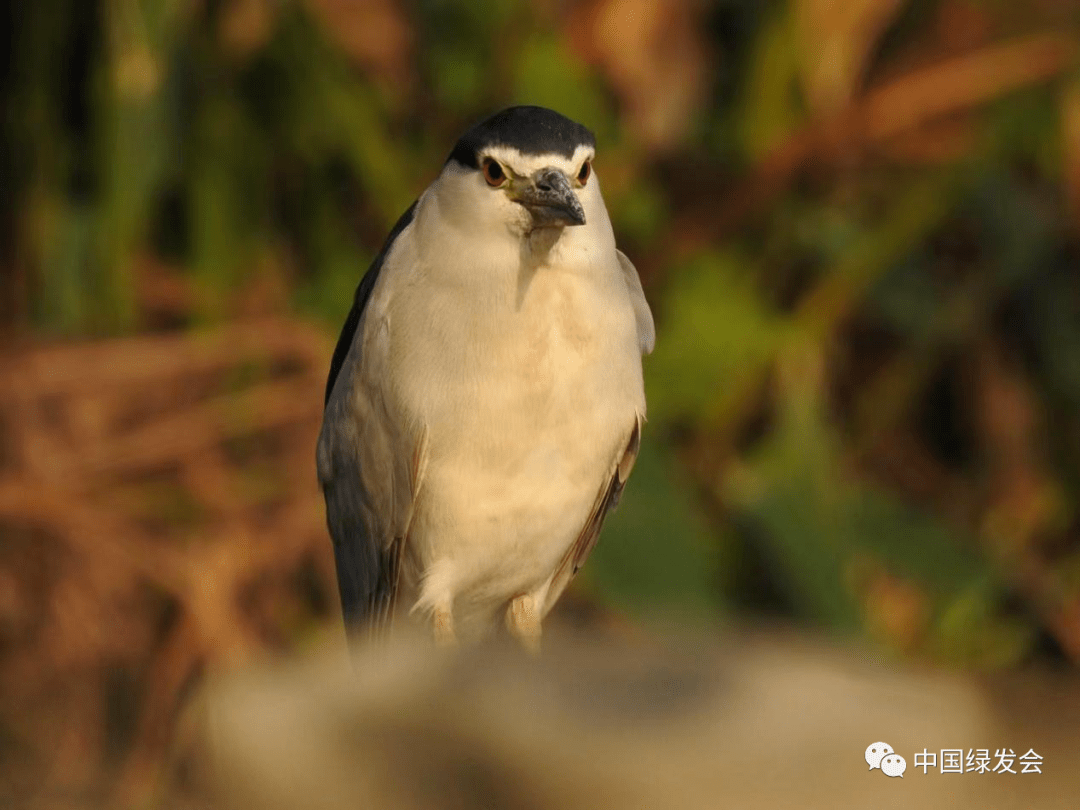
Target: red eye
x=493 y=172
x=585 y=171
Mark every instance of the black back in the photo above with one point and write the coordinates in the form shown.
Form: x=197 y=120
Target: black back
x=363 y=293
x=530 y=130
x=366 y=567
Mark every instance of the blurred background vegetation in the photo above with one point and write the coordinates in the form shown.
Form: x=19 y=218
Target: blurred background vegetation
x=857 y=225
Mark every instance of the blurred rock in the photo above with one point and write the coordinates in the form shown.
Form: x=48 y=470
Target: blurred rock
x=763 y=721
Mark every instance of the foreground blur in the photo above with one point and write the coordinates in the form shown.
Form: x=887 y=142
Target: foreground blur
x=763 y=721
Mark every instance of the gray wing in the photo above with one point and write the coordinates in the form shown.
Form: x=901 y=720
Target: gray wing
x=646 y=330
x=360 y=299
x=359 y=467
x=606 y=500
x=608 y=496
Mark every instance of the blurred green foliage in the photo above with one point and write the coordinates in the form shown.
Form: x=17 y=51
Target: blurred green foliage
x=865 y=394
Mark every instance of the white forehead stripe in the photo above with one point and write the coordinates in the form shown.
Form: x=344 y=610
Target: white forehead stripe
x=521 y=164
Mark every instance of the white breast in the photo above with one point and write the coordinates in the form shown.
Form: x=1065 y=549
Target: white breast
x=526 y=380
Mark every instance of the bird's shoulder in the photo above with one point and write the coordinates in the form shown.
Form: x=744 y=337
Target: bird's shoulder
x=646 y=328
x=360 y=301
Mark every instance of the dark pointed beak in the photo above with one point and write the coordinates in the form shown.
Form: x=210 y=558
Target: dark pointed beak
x=550 y=199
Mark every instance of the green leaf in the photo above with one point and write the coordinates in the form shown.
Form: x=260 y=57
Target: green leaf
x=657 y=553
x=714 y=326
x=771 y=106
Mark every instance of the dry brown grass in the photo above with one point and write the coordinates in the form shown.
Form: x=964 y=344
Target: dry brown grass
x=159 y=515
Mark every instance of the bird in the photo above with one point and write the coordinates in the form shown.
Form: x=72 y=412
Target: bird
x=485 y=399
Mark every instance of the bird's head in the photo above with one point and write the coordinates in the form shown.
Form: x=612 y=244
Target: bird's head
x=523 y=169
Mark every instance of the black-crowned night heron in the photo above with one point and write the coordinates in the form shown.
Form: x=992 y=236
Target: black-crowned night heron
x=485 y=399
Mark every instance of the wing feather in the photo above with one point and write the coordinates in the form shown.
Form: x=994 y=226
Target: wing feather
x=608 y=496
x=360 y=300
x=359 y=472
x=646 y=329
x=606 y=500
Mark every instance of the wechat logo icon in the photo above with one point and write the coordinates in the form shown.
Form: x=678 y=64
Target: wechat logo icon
x=880 y=755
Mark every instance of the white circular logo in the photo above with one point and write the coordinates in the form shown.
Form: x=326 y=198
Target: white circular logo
x=874 y=753
x=893 y=765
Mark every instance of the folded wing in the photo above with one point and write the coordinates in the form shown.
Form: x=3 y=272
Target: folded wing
x=368 y=483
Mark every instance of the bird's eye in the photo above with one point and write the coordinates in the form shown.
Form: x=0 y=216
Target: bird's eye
x=584 y=172
x=493 y=172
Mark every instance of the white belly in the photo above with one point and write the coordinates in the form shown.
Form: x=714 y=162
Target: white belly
x=528 y=401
